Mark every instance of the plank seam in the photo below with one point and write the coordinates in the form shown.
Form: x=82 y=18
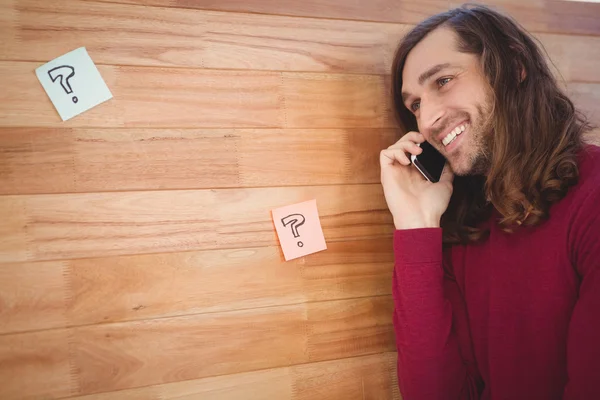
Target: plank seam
x=74 y=379
x=393 y=376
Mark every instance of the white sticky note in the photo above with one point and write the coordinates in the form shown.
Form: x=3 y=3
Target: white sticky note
x=73 y=83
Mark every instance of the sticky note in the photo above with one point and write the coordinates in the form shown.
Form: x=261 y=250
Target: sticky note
x=299 y=229
x=73 y=83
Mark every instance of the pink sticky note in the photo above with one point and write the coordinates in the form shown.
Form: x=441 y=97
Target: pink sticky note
x=299 y=229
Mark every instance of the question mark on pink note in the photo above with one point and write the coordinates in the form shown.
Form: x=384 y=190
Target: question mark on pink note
x=295 y=220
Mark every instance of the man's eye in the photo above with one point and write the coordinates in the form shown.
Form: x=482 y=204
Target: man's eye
x=415 y=106
x=443 y=81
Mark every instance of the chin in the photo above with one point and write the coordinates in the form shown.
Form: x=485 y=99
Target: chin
x=460 y=167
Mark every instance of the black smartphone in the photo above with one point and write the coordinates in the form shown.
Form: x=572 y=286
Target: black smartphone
x=430 y=162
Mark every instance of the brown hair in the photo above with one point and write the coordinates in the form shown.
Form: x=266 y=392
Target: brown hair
x=537 y=132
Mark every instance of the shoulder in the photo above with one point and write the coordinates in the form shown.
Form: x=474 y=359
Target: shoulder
x=589 y=165
x=584 y=210
x=588 y=182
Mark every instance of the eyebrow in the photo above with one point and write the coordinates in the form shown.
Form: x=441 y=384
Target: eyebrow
x=426 y=75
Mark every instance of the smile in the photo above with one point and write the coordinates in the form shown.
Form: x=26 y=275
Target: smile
x=452 y=135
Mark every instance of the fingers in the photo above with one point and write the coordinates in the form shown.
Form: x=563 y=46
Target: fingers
x=407 y=144
x=390 y=156
x=413 y=136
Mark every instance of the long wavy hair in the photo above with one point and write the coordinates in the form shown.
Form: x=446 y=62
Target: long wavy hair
x=536 y=130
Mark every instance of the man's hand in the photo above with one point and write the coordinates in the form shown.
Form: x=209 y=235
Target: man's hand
x=413 y=201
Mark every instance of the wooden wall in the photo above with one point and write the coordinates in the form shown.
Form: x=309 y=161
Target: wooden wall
x=138 y=259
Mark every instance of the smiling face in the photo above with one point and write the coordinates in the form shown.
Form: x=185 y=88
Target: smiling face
x=448 y=93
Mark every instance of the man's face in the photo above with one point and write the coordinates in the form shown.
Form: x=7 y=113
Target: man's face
x=448 y=93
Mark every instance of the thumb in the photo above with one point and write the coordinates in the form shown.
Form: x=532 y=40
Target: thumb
x=447 y=174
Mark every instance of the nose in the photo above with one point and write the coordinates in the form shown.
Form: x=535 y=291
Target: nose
x=431 y=112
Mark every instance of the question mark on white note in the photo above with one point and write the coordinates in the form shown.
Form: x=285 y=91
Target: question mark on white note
x=60 y=73
x=292 y=220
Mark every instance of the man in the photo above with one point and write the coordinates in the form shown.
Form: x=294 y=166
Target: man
x=497 y=275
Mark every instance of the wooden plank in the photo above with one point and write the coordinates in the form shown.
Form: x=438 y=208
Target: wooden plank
x=150 y=97
x=338 y=328
x=36 y=366
x=143 y=393
x=537 y=15
x=365 y=377
x=180 y=98
x=44 y=295
x=42 y=160
x=268 y=384
x=127 y=355
x=572 y=58
x=119 y=34
x=13 y=230
x=32 y=296
x=103 y=224
x=333 y=100
x=150 y=286
x=287 y=157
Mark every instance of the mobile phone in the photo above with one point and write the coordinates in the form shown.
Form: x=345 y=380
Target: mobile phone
x=430 y=162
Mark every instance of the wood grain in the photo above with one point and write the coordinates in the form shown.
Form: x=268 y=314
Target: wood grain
x=46 y=160
x=13 y=230
x=180 y=98
x=101 y=224
x=121 y=34
x=44 y=295
x=151 y=286
x=365 y=377
x=150 y=97
x=126 y=355
x=587 y=97
x=328 y=100
x=538 y=15
x=32 y=296
x=36 y=366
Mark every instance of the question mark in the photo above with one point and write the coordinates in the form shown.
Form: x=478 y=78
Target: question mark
x=61 y=72
x=293 y=219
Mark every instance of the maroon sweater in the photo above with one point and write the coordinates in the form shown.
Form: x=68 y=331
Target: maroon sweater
x=517 y=317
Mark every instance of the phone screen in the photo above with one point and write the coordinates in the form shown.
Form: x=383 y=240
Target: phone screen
x=430 y=162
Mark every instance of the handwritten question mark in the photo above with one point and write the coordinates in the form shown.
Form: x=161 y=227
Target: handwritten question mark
x=60 y=73
x=292 y=220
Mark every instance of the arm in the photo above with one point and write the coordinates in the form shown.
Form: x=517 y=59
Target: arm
x=430 y=322
x=583 y=346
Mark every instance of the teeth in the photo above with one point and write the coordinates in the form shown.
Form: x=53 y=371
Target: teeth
x=452 y=135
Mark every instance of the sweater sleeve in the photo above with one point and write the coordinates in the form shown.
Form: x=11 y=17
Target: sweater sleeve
x=430 y=322
x=583 y=345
